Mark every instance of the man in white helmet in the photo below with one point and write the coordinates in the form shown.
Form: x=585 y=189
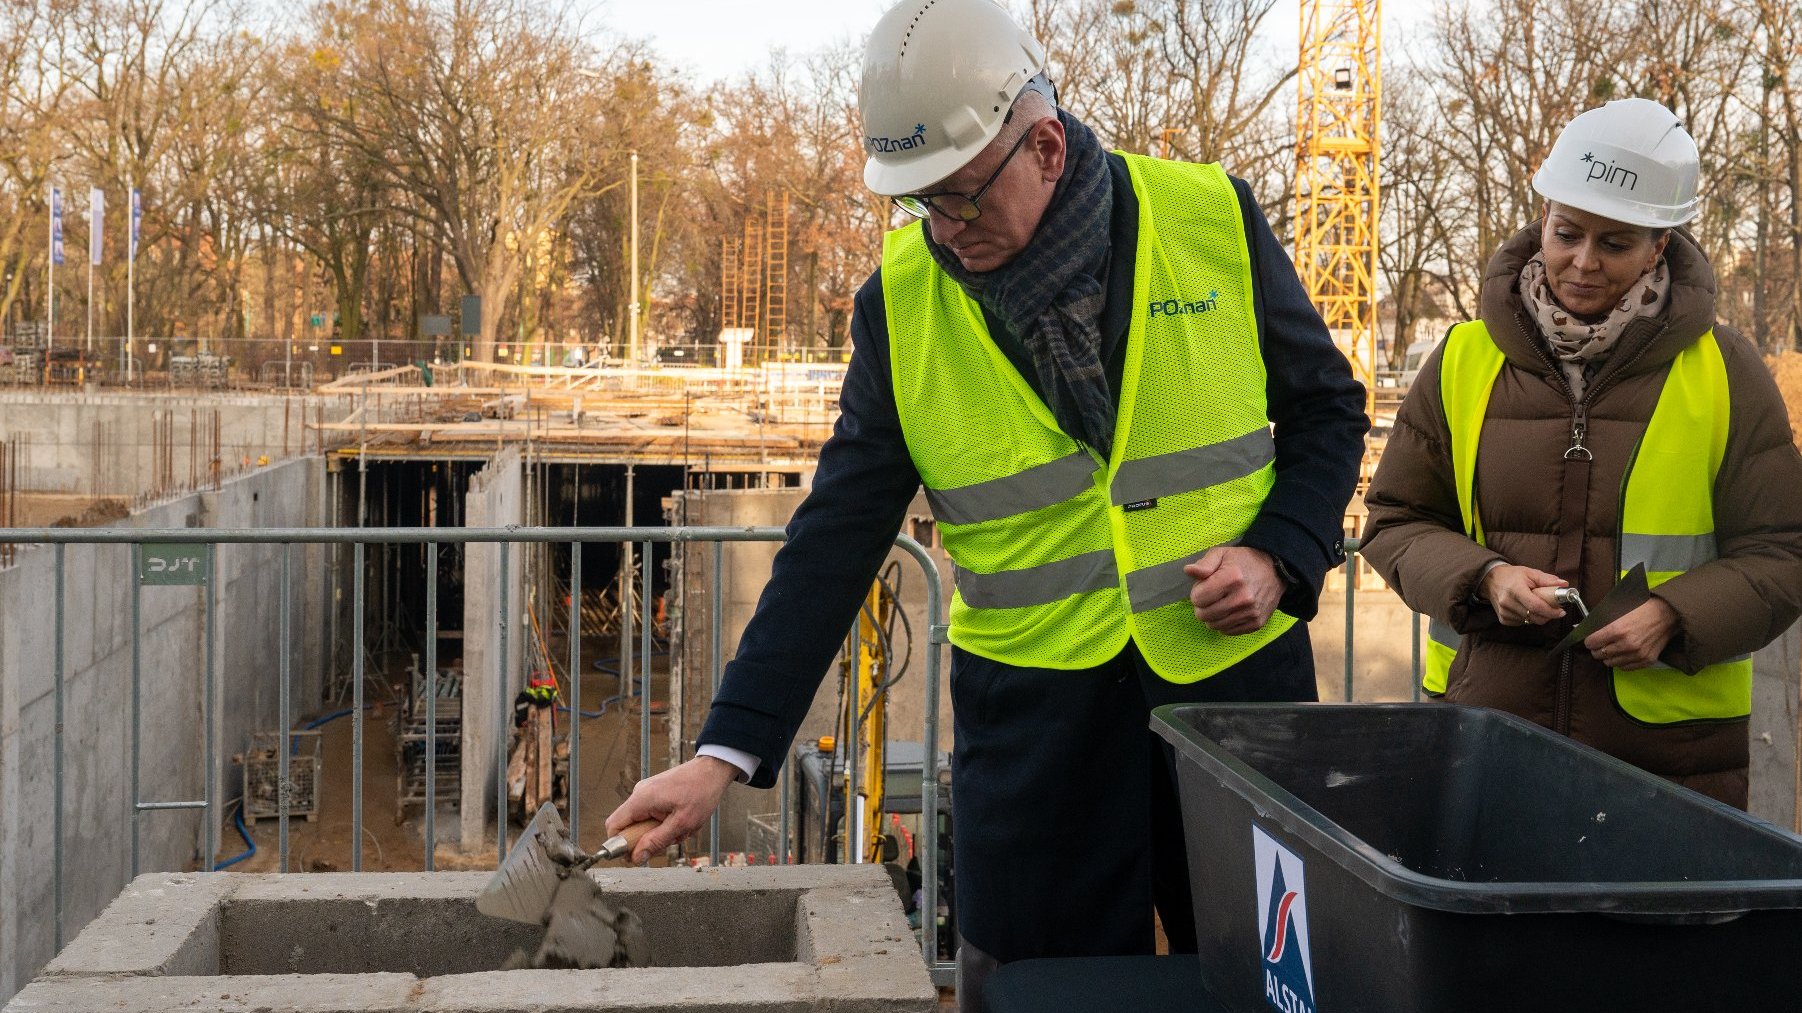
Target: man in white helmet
x=1081 y=356
x=1596 y=418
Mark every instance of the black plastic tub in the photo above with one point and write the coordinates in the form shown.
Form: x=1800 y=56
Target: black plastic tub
x=1430 y=858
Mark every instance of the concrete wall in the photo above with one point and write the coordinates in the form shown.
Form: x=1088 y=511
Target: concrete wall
x=107 y=444
x=496 y=498
x=97 y=694
x=1776 y=680
x=747 y=570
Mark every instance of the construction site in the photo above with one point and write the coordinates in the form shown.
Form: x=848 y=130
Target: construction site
x=325 y=660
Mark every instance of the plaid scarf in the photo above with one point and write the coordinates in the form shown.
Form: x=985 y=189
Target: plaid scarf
x=1051 y=295
x=1582 y=347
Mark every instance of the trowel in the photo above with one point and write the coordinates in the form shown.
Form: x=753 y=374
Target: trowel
x=543 y=881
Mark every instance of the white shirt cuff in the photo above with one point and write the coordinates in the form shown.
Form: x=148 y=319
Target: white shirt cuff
x=745 y=762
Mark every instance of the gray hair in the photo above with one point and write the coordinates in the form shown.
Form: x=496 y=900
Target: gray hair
x=1036 y=101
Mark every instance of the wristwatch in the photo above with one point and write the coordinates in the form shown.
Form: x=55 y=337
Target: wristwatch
x=1286 y=575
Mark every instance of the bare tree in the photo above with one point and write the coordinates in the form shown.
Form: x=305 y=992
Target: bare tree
x=481 y=115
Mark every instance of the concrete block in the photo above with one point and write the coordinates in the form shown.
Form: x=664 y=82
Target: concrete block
x=794 y=939
x=164 y=923
x=313 y=993
x=364 y=923
x=852 y=937
x=754 y=988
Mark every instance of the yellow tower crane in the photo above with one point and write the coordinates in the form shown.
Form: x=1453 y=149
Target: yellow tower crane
x=1336 y=186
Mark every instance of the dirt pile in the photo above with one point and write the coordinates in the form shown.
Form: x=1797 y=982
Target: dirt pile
x=99 y=512
x=1787 y=368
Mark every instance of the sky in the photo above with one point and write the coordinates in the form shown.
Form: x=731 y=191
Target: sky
x=722 y=39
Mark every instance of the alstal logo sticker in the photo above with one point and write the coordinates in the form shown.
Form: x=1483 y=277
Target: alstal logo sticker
x=1287 y=964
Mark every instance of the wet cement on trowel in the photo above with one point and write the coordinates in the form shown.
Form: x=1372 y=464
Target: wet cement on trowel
x=584 y=932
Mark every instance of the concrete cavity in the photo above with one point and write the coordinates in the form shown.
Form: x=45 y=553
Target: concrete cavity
x=795 y=938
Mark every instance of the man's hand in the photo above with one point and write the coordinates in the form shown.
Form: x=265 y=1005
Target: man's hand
x=1636 y=639
x=1236 y=589
x=681 y=797
x=1513 y=591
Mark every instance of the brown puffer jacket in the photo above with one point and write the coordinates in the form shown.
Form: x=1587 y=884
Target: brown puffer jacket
x=1729 y=607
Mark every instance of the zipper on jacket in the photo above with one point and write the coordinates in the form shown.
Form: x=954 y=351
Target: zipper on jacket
x=1562 y=706
x=1579 y=428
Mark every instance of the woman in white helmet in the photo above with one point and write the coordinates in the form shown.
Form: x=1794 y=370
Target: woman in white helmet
x=1597 y=419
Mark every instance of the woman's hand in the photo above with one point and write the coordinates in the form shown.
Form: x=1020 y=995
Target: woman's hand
x=1513 y=592
x=1636 y=639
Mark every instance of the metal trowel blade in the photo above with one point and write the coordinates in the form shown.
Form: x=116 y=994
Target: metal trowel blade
x=522 y=888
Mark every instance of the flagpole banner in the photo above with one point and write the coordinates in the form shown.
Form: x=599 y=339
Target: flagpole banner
x=56 y=226
x=96 y=224
x=137 y=218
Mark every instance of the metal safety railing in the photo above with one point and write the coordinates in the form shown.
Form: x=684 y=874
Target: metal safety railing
x=187 y=556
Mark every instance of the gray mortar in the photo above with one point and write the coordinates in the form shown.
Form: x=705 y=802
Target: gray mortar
x=795 y=939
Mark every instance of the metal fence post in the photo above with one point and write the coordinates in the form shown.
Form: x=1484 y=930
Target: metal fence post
x=575 y=693
x=137 y=664
x=356 y=713
x=1351 y=594
x=502 y=673
x=283 y=785
x=57 y=820
x=431 y=706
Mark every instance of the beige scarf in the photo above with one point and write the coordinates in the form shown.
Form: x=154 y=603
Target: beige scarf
x=1580 y=347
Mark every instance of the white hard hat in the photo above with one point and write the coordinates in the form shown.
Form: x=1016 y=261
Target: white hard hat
x=1630 y=161
x=938 y=79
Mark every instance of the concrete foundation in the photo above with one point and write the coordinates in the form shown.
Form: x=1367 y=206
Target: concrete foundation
x=97 y=681
x=493 y=640
x=128 y=445
x=800 y=938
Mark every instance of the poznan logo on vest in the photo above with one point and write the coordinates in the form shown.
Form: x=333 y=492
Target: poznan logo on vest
x=1287 y=965
x=1178 y=307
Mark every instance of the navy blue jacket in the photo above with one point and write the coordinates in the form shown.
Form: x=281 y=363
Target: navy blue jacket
x=840 y=535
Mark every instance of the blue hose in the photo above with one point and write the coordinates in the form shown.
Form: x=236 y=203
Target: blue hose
x=250 y=845
x=333 y=716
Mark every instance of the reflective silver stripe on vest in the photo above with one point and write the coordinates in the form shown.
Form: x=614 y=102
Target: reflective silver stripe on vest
x=1189 y=470
x=1440 y=632
x=1659 y=666
x=1667 y=553
x=1156 y=586
x=1035 y=488
x=1038 y=585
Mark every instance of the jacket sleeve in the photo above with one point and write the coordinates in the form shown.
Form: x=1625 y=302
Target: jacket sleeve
x=1318 y=410
x=837 y=540
x=1414 y=535
x=1753 y=592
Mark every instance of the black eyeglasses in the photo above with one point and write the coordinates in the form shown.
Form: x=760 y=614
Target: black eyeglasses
x=961 y=207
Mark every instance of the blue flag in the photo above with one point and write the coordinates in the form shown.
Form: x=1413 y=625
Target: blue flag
x=137 y=217
x=56 y=226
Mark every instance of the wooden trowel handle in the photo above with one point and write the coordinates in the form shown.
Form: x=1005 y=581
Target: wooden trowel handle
x=622 y=844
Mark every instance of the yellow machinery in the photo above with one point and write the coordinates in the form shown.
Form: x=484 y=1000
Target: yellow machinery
x=865 y=669
x=1336 y=184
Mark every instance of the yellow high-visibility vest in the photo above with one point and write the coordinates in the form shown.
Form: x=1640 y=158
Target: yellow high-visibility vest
x=1061 y=557
x=1667 y=511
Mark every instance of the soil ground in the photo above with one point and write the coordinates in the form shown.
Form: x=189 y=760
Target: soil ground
x=609 y=767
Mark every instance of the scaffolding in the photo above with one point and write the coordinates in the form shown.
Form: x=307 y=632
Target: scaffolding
x=1336 y=188
x=750 y=281
x=731 y=283
x=776 y=274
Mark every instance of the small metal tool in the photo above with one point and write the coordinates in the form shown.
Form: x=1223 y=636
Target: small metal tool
x=1570 y=597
